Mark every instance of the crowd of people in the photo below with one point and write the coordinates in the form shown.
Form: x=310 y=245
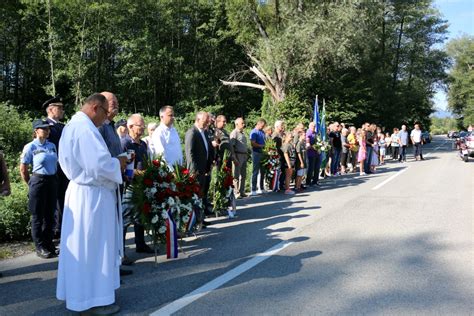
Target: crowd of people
x=81 y=171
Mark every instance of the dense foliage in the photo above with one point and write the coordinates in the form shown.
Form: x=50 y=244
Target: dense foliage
x=461 y=92
x=372 y=61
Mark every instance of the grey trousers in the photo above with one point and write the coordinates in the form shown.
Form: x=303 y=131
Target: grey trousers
x=240 y=174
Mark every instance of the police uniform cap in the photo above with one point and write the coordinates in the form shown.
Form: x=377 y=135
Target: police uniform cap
x=55 y=100
x=39 y=123
x=121 y=122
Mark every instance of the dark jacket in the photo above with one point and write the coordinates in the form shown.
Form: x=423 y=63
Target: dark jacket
x=197 y=158
x=56 y=130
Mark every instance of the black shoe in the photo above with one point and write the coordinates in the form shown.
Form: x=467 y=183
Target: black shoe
x=53 y=250
x=206 y=223
x=144 y=249
x=44 y=253
x=125 y=272
x=126 y=261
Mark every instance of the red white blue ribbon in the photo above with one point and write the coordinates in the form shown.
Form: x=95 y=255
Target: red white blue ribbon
x=191 y=221
x=171 y=237
x=275 y=180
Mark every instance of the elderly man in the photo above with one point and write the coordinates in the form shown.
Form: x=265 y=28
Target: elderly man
x=199 y=154
x=91 y=236
x=114 y=145
x=257 y=140
x=107 y=130
x=238 y=142
x=166 y=140
x=55 y=111
x=151 y=127
x=403 y=141
x=132 y=141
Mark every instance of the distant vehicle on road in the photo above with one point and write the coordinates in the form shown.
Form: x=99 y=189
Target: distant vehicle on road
x=426 y=136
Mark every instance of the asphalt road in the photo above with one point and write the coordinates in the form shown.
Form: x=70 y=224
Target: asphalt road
x=397 y=242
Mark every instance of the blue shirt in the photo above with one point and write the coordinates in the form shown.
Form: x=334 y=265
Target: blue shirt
x=43 y=157
x=112 y=140
x=257 y=136
x=141 y=151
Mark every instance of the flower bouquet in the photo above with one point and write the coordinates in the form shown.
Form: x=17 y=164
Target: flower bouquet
x=322 y=145
x=271 y=164
x=223 y=194
x=165 y=203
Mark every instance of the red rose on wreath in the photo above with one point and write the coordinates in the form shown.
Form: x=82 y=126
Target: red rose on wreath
x=228 y=182
x=148 y=182
x=185 y=171
x=146 y=208
x=156 y=163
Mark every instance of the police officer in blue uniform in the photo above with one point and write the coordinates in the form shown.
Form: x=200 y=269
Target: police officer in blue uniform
x=55 y=111
x=43 y=158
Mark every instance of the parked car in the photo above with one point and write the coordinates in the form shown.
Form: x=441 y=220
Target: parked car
x=426 y=137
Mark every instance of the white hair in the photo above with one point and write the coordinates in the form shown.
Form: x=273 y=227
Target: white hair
x=152 y=126
x=279 y=123
x=133 y=118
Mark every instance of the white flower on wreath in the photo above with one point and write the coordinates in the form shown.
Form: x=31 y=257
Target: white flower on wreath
x=162 y=229
x=164 y=214
x=185 y=218
x=153 y=190
x=154 y=220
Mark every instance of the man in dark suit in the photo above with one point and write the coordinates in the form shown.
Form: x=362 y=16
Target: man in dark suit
x=55 y=111
x=199 y=154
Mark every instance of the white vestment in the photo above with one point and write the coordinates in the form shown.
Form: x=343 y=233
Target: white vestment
x=91 y=233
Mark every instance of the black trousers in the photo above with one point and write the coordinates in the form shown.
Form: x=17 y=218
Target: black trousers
x=403 y=153
x=42 y=197
x=314 y=164
x=395 y=153
x=63 y=182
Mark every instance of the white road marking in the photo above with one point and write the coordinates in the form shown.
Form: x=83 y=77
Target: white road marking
x=378 y=186
x=175 y=306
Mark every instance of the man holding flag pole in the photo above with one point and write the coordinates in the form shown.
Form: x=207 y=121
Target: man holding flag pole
x=314 y=161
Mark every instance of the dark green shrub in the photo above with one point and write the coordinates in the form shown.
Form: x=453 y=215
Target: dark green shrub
x=14 y=214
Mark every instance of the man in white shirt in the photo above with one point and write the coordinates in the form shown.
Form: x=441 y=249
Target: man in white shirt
x=415 y=136
x=403 y=141
x=166 y=140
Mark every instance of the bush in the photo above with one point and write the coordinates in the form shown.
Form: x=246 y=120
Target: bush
x=13 y=136
x=14 y=214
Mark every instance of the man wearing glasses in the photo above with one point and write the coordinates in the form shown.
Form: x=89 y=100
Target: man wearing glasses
x=133 y=142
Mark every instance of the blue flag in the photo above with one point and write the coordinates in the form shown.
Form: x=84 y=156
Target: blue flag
x=322 y=135
x=316 y=115
x=322 y=124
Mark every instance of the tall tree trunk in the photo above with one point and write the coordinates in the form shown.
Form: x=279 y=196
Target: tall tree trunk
x=51 y=49
x=17 y=62
x=397 y=56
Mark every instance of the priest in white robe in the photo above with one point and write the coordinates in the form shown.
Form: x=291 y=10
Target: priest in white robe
x=91 y=234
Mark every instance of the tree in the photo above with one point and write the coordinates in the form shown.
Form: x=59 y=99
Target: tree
x=461 y=84
x=288 y=42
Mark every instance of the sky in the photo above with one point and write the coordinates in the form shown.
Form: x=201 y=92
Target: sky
x=460 y=16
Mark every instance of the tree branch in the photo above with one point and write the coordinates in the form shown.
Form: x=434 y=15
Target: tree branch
x=258 y=22
x=243 y=84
